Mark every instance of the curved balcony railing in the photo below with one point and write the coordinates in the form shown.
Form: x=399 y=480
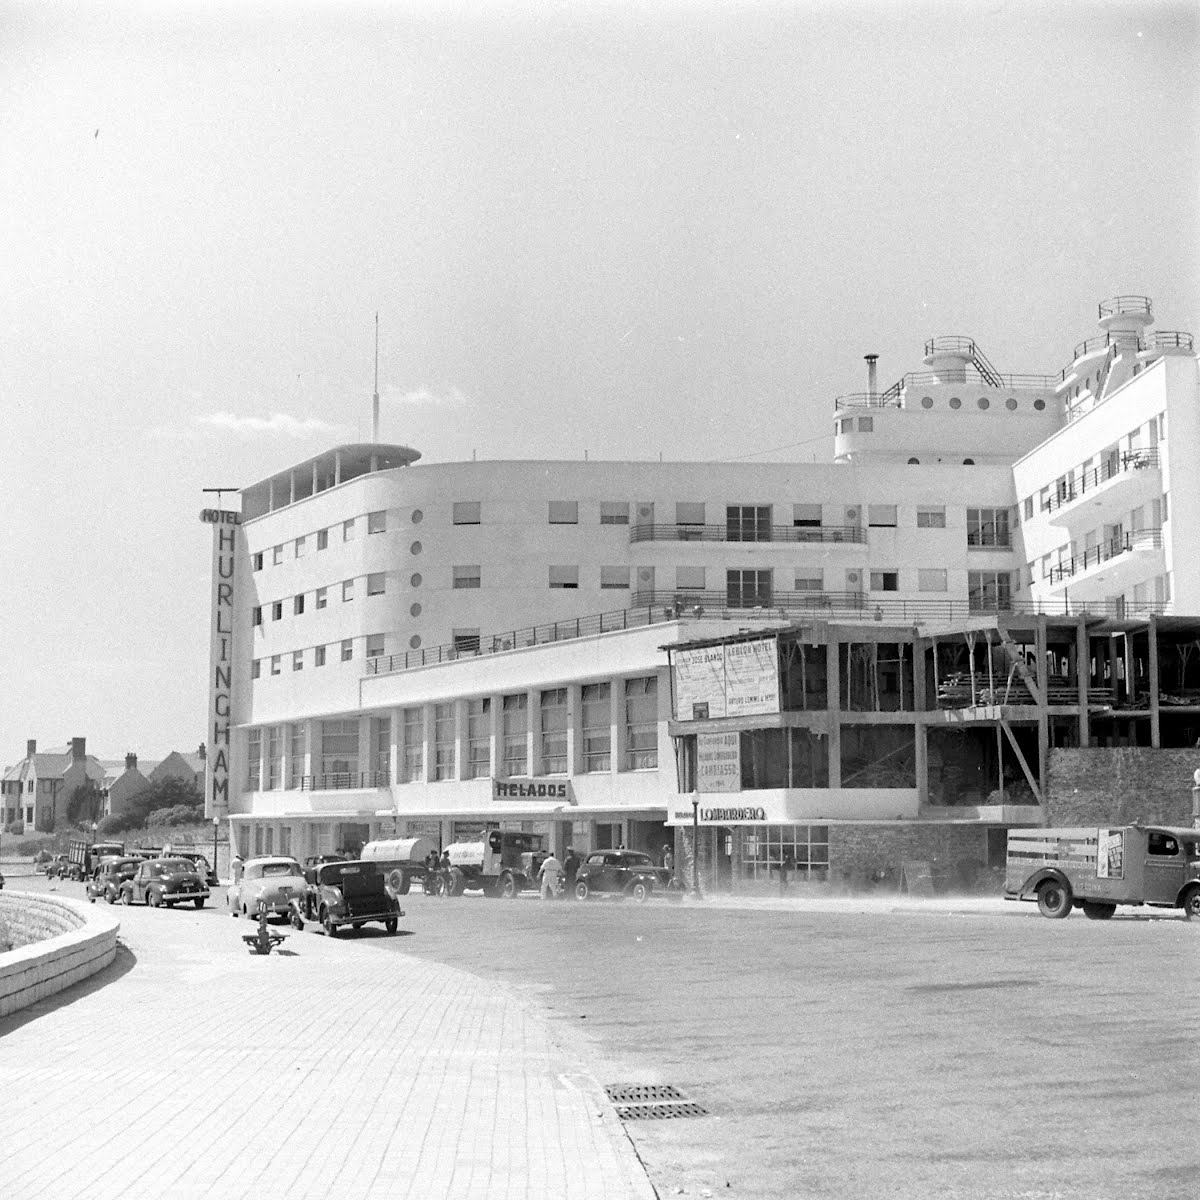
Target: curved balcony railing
x=888 y=399
x=1111 y=468
x=339 y=781
x=1167 y=339
x=763 y=533
x=1142 y=539
x=1119 y=306
x=950 y=344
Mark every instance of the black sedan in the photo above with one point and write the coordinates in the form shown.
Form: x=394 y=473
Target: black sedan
x=621 y=872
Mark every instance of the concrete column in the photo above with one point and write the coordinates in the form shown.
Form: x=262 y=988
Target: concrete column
x=616 y=716
x=270 y=495
x=1040 y=648
x=1152 y=660
x=496 y=735
x=292 y=486
x=337 y=467
x=315 y=478
x=574 y=736
x=833 y=669
x=919 y=682
x=533 y=709
x=394 y=750
x=427 y=744
x=1083 y=668
x=460 y=739
x=312 y=748
x=921 y=731
x=364 y=746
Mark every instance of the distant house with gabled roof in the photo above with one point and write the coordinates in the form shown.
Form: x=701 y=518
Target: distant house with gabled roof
x=36 y=790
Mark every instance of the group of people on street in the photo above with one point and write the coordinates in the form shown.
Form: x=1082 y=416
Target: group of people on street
x=558 y=878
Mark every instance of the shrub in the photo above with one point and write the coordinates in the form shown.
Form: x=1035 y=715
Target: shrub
x=15 y=827
x=117 y=823
x=177 y=814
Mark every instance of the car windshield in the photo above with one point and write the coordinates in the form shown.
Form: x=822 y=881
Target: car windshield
x=281 y=868
x=173 y=864
x=638 y=860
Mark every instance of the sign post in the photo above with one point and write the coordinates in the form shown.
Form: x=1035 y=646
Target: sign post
x=696 y=846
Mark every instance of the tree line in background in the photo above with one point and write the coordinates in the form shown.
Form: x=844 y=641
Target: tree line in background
x=171 y=802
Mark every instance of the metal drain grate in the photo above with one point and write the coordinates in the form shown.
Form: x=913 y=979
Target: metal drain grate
x=660 y=1112
x=642 y=1093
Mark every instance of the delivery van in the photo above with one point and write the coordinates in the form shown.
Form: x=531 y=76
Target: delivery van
x=1096 y=869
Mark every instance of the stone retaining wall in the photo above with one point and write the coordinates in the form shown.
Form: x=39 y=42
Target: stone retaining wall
x=57 y=943
x=1120 y=785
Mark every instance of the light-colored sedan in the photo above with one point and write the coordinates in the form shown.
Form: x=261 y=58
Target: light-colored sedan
x=272 y=883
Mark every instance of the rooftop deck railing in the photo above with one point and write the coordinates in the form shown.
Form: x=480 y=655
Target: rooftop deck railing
x=645 y=532
x=1142 y=539
x=1111 y=468
x=337 y=781
x=1167 y=339
x=893 y=397
x=1119 y=306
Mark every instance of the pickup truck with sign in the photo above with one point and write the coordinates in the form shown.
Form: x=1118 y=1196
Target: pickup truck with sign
x=1096 y=869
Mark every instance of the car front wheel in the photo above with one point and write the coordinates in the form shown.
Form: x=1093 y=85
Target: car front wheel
x=1191 y=904
x=640 y=891
x=1054 y=899
x=582 y=891
x=507 y=888
x=327 y=923
x=126 y=897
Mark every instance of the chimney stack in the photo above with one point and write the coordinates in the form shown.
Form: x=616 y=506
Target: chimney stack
x=31 y=748
x=872 y=378
x=77 y=749
x=131 y=762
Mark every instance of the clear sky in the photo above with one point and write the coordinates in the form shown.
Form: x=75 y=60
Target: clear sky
x=619 y=229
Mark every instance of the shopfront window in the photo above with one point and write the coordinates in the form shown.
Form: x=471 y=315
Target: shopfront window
x=443 y=741
x=597 y=727
x=804 y=848
x=274 y=757
x=554 y=732
x=413 y=768
x=295 y=755
x=515 y=731
x=253 y=759
x=479 y=738
x=641 y=724
x=339 y=747
x=783 y=758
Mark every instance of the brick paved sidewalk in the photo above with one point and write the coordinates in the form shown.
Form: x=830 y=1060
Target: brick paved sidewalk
x=330 y=1070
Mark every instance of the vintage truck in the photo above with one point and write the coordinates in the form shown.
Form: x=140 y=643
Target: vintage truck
x=83 y=856
x=1096 y=869
x=401 y=860
x=501 y=863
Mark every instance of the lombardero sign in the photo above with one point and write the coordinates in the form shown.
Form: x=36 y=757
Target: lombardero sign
x=723 y=816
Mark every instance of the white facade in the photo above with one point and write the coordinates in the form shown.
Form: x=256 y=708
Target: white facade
x=365 y=578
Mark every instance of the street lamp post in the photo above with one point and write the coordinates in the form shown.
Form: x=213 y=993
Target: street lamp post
x=216 y=828
x=696 y=846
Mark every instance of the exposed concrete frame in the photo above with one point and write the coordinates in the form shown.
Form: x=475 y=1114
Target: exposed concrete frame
x=1012 y=741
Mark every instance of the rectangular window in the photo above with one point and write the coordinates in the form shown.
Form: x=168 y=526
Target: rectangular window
x=614 y=512
x=347 y=649
x=277 y=610
x=253 y=758
x=810 y=579
x=514 y=717
x=931 y=516
x=866 y=424
x=689 y=513
x=413 y=767
x=806 y=516
x=467 y=577
x=641 y=723
x=1029 y=508
x=256 y=668
x=564 y=512
x=748 y=589
x=322 y=597
x=479 y=739
x=375 y=645
x=277 y=554
x=564 y=577
x=377 y=521
x=298 y=605
x=322 y=539
x=300 y=546
x=443 y=741
x=256 y=561
x=931 y=580
x=465 y=641
x=295 y=754
x=466 y=512
x=376 y=583
x=348 y=530
x=318 y=656
x=748 y=523
x=989 y=591
x=339 y=751
x=689 y=579
x=275 y=667
x=381 y=748
x=274 y=757
x=297 y=660
x=881 y=516
x=596 y=712
x=885 y=581
x=347 y=590
x=614 y=577
x=256 y=614
x=553 y=730
x=988 y=527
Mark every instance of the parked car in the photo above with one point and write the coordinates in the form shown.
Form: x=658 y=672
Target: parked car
x=58 y=867
x=272 y=883
x=113 y=870
x=623 y=872
x=352 y=893
x=166 y=881
x=207 y=873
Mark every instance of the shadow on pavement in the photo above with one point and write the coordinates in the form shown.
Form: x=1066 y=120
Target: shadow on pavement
x=122 y=964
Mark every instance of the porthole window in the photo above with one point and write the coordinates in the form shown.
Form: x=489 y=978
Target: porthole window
x=415 y=641
x=1039 y=405
x=914 y=462
x=955 y=402
x=414 y=610
x=416 y=579
x=1010 y=404
x=418 y=516
x=416 y=548
x=926 y=401
x=968 y=462
x=984 y=402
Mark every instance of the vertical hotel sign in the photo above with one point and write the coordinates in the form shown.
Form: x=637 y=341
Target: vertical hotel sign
x=220 y=669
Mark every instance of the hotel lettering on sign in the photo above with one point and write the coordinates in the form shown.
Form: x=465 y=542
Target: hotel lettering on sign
x=220 y=679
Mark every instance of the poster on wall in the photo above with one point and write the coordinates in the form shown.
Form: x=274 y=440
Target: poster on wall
x=734 y=680
x=1110 y=854
x=718 y=762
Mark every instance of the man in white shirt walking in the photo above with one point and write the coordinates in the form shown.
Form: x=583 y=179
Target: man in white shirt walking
x=548 y=875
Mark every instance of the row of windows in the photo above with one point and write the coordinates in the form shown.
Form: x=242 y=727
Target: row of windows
x=376 y=585
x=376 y=522
x=536 y=724
x=342 y=651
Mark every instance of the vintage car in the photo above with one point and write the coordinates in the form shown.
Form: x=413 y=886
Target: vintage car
x=58 y=867
x=621 y=872
x=201 y=864
x=165 y=881
x=352 y=893
x=112 y=871
x=273 y=883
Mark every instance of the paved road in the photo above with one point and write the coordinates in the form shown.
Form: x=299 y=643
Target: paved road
x=899 y=1051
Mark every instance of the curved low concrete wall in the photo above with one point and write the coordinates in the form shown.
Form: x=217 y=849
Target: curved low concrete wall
x=59 y=942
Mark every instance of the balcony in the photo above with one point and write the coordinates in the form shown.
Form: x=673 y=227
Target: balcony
x=758 y=534
x=1139 y=543
x=1103 y=486
x=1124 y=306
x=340 y=781
x=1166 y=339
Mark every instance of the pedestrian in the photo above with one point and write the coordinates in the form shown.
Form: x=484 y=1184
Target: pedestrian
x=669 y=864
x=236 y=868
x=444 y=871
x=785 y=870
x=570 y=870
x=548 y=875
